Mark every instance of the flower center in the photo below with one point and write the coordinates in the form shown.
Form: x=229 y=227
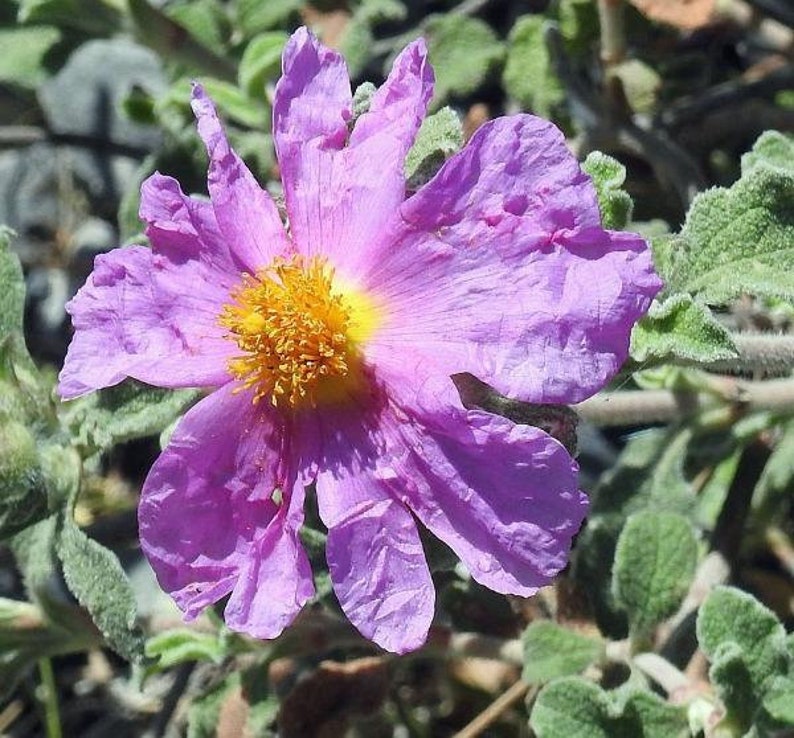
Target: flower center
x=298 y=333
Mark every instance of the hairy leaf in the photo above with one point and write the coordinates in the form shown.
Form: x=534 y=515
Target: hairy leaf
x=741 y=239
x=463 y=51
x=124 y=412
x=95 y=577
x=655 y=561
x=746 y=645
x=552 y=651
x=608 y=177
x=440 y=136
x=12 y=289
x=23 y=492
x=680 y=329
x=575 y=708
x=528 y=76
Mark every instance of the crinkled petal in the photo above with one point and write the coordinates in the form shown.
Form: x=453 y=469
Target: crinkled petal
x=503 y=496
x=374 y=554
x=145 y=315
x=246 y=214
x=341 y=191
x=498 y=267
x=206 y=507
x=276 y=580
x=185 y=229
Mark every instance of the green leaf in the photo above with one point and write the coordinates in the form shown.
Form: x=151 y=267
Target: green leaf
x=205 y=20
x=575 y=708
x=23 y=493
x=178 y=645
x=655 y=561
x=95 y=577
x=779 y=701
x=680 y=329
x=640 y=83
x=24 y=49
x=463 y=51
x=95 y=17
x=440 y=136
x=12 y=288
x=529 y=76
x=235 y=105
x=746 y=645
x=203 y=713
x=608 y=177
x=775 y=488
x=551 y=651
x=261 y=62
x=772 y=150
x=124 y=412
x=255 y=16
x=741 y=239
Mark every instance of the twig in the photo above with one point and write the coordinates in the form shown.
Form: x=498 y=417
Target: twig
x=491 y=713
x=667 y=676
x=639 y=407
x=771 y=353
x=52 y=718
x=613 y=33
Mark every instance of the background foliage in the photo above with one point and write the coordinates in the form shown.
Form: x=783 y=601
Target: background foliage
x=674 y=618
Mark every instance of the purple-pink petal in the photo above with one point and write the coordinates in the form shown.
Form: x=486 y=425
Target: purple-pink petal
x=341 y=188
x=246 y=214
x=148 y=316
x=503 y=496
x=275 y=581
x=374 y=554
x=208 y=515
x=498 y=267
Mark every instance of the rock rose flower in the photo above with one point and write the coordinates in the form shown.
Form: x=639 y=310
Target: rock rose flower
x=329 y=342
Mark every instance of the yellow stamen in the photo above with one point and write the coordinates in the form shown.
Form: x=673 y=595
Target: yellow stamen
x=298 y=330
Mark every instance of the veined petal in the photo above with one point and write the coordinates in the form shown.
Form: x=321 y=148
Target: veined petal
x=145 y=315
x=498 y=267
x=503 y=496
x=374 y=554
x=246 y=214
x=276 y=580
x=340 y=191
x=207 y=507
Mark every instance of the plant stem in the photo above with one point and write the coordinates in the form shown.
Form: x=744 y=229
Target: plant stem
x=494 y=710
x=52 y=718
x=769 y=352
x=613 y=36
x=640 y=407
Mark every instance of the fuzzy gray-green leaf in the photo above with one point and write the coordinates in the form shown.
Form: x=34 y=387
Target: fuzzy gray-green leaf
x=552 y=651
x=741 y=239
x=23 y=492
x=463 y=51
x=528 y=76
x=683 y=330
x=575 y=708
x=608 y=177
x=654 y=564
x=440 y=136
x=12 y=288
x=124 y=412
x=730 y=616
x=95 y=577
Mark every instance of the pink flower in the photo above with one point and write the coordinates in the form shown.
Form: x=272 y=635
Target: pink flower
x=329 y=347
